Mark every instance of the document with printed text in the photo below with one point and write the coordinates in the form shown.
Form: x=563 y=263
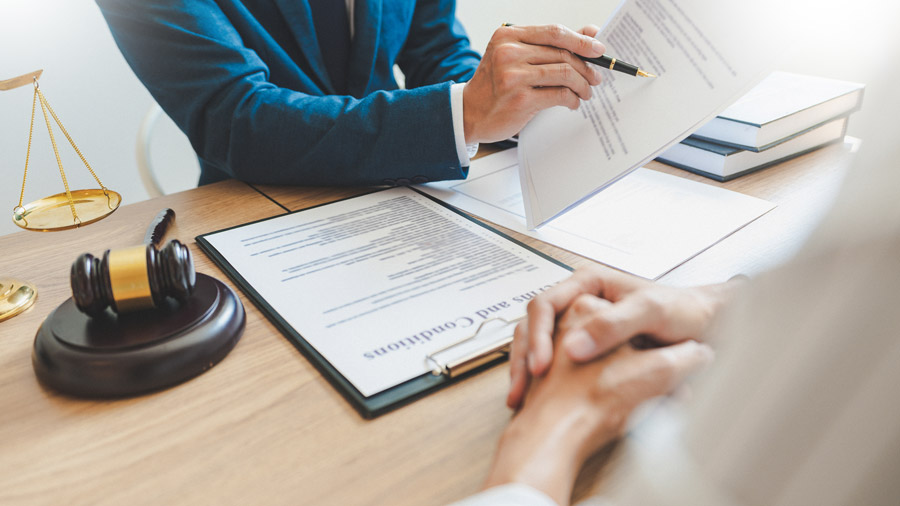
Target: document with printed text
x=647 y=223
x=377 y=282
x=705 y=54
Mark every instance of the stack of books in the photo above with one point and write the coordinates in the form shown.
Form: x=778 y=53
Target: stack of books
x=784 y=116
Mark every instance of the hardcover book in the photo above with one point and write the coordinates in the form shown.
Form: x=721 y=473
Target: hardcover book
x=724 y=163
x=778 y=108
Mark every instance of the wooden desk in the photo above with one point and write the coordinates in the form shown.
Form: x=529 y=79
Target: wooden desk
x=263 y=427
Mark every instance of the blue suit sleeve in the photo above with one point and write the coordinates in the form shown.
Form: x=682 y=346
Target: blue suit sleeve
x=193 y=61
x=437 y=48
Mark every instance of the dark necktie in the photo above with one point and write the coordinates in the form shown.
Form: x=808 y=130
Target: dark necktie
x=333 y=31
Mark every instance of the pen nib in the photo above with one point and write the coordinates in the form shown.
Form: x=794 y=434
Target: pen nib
x=644 y=74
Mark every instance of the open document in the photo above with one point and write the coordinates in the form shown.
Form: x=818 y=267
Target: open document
x=647 y=223
x=706 y=54
x=370 y=286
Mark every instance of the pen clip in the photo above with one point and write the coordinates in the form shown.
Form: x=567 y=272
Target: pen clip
x=465 y=361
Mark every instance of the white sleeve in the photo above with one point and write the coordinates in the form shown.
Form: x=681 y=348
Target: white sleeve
x=514 y=494
x=799 y=407
x=463 y=151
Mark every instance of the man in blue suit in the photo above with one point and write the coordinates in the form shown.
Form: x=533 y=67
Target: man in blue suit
x=303 y=91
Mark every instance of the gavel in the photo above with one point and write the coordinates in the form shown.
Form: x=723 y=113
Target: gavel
x=136 y=278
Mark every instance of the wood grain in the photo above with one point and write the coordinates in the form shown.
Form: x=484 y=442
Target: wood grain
x=55 y=450
x=263 y=426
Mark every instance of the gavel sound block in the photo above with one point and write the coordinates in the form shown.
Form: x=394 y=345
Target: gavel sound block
x=139 y=320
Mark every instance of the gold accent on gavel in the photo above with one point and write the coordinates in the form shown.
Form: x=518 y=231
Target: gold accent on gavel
x=129 y=279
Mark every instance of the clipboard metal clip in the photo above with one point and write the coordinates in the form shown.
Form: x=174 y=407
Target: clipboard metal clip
x=468 y=353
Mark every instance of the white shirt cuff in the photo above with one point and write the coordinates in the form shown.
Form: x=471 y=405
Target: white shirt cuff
x=513 y=494
x=464 y=151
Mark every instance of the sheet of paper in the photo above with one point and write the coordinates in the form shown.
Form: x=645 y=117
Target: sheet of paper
x=647 y=223
x=706 y=54
x=376 y=282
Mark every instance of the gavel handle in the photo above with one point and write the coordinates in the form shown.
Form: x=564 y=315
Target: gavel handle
x=157 y=229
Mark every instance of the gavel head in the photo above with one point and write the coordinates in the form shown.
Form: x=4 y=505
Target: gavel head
x=132 y=279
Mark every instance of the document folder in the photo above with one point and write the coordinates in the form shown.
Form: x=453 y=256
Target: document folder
x=272 y=260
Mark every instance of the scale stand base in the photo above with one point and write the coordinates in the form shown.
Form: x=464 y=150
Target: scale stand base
x=15 y=297
x=124 y=355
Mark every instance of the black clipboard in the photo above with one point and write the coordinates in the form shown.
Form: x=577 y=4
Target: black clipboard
x=386 y=400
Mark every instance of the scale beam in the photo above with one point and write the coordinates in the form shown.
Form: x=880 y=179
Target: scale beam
x=18 y=82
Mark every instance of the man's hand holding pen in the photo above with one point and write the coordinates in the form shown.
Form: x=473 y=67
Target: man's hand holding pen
x=524 y=70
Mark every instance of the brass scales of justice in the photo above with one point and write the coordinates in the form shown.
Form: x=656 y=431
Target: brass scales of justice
x=62 y=211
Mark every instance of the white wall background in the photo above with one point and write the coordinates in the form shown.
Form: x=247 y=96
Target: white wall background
x=101 y=102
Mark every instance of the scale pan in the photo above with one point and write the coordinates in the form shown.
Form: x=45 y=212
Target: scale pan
x=53 y=213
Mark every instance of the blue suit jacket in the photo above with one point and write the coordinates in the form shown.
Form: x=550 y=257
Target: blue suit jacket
x=246 y=82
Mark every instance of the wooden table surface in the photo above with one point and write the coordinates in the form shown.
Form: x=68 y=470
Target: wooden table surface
x=263 y=426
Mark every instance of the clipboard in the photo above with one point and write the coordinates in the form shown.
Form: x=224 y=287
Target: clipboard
x=485 y=347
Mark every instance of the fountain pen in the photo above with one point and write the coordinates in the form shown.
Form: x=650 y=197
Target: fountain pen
x=611 y=63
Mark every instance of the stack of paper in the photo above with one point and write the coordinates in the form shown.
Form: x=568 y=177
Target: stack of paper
x=647 y=223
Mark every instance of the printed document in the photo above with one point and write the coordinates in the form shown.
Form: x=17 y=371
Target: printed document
x=647 y=223
x=705 y=54
x=377 y=282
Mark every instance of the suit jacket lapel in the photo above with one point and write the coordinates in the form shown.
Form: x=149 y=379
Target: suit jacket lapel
x=298 y=17
x=367 y=31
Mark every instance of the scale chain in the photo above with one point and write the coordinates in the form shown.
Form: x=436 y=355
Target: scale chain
x=28 y=151
x=49 y=212
x=69 y=138
x=62 y=173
